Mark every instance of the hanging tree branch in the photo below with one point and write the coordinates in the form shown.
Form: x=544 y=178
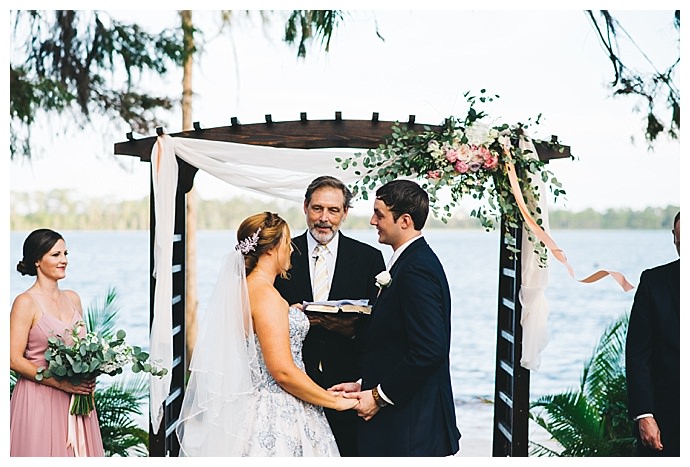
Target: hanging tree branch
x=653 y=88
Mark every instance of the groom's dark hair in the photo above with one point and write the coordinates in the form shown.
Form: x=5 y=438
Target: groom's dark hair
x=405 y=197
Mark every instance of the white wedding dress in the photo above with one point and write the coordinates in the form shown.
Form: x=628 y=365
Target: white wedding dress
x=232 y=405
x=285 y=425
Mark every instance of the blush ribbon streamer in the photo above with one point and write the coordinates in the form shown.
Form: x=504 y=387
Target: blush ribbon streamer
x=558 y=253
x=76 y=433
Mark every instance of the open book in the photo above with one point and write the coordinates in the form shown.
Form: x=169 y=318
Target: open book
x=334 y=306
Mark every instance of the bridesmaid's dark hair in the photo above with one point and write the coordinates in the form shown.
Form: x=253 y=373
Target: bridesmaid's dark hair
x=273 y=230
x=38 y=243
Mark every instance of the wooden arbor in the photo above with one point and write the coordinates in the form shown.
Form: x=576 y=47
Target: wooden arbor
x=512 y=381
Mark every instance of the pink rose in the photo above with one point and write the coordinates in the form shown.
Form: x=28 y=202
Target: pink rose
x=464 y=153
x=461 y=167
x=433 y=175
x=477 y=158
x=451 y=155
x=490 y=161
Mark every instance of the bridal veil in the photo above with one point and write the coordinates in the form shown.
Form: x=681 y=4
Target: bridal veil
x=219 y=400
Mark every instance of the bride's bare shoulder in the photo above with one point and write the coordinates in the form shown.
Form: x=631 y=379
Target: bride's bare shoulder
x=264 y=294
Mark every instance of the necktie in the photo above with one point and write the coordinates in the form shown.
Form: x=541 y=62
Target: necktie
x=320 y=274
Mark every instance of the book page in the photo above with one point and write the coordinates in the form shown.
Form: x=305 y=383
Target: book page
x=333 y=306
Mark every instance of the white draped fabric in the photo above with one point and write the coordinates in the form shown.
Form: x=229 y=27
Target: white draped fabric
x=281 y=173
x=535 y=308
x=164 y=174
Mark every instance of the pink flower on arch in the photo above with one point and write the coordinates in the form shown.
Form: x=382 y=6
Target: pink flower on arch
x=433 y=175
x=465 y=153
x=490 y=161
x=461 y=167
x=451 y=155
x=474 y=166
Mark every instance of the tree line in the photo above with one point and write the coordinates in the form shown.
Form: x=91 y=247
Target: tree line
x=64 y=210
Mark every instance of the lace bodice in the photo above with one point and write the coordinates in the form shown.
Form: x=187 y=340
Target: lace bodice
x=299 y=327
x=284 y=425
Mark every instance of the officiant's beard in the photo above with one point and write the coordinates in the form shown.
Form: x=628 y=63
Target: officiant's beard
x=322 y=237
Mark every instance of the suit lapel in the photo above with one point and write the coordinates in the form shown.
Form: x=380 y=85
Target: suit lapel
x=417 y=244
x=345 y=266
x=300 y=267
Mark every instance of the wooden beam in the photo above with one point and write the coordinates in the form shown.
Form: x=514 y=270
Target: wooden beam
x=309 y=134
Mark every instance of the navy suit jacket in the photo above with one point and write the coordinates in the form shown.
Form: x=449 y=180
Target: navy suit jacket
x=652 y=354
x=406 y=349
x=353 y=278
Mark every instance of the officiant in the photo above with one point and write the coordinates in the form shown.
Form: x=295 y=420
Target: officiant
x=328 y=265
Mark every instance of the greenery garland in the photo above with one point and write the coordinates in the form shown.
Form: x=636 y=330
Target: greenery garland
x=467 y=157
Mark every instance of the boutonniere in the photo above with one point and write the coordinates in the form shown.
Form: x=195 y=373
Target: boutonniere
x=383 y=279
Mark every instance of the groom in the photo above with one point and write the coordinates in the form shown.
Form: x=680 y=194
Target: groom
x=406 y=405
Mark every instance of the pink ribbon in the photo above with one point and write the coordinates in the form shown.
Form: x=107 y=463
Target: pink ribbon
x=76 y=432
x=548 y=241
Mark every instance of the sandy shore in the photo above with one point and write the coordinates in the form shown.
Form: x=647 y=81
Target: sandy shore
x=475 y=421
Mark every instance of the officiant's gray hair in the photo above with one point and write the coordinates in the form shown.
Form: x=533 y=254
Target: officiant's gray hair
x=326 y=181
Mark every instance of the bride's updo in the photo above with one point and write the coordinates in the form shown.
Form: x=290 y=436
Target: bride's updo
x=258 y=234
x=38 y=243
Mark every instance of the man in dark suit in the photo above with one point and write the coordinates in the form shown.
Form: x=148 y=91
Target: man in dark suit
x=329 y=350
x=405 y=397
x=652 y=358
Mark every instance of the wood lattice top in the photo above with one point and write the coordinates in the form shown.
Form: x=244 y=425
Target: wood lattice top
x=308 y=134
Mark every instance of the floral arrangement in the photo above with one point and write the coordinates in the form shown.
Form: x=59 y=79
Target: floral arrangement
x=90 y=356
x=465 y=157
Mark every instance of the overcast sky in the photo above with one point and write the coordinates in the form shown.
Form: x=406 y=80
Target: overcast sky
x=538 y=61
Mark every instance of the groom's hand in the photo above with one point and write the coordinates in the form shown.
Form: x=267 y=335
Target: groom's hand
x=367 y=407
x=345 y=387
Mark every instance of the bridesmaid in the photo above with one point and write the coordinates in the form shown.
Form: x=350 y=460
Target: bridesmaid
x=39 y=411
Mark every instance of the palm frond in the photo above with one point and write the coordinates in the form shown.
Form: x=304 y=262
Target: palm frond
x=538 y=450
x=13 y=381
x=607 y=362
x=116 y=405
x=571 y=421
x=100 y=317
x=592 y=420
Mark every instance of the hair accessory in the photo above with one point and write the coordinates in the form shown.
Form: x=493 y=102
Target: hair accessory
x=249 y=243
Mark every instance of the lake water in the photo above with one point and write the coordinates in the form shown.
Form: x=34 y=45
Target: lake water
x=578 y=315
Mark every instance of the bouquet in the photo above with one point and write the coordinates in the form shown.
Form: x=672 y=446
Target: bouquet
x=84 y=358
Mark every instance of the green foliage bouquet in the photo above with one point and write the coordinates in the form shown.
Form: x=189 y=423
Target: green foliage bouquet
x=84 y=358
x=466 y=157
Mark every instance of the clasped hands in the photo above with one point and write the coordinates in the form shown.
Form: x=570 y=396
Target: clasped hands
x=366 y=408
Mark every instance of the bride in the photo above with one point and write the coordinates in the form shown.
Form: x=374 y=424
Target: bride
x=248 y=394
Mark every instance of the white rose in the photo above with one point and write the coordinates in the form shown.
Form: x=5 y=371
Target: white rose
x=383 y=279
x=477 y=134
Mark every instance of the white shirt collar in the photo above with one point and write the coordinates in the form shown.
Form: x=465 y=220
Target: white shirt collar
x=399 y=251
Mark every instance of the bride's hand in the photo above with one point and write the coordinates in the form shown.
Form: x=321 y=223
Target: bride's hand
x=342 y=403
x=346 y=387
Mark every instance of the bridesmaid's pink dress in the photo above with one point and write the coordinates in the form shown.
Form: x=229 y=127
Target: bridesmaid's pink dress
x=39 y=413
